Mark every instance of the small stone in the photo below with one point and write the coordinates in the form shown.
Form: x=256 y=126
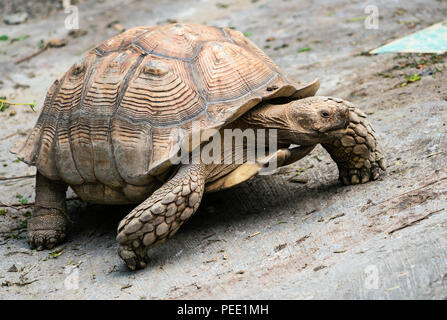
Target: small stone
x=350 y=132
x=148 y=239
x=136 y=243
x=118 y=27
x=180 y=200
x=162 y=229
x=158 y=208
x=347 y=141
x=193 y=198
x=133 y=226
x=15 y=18
x=194 y=178
x=355 y=179
x=367 y=164
x=299 y=179
x=186 y=213
x=13 y=268
x=76 y=33
x=177 y=189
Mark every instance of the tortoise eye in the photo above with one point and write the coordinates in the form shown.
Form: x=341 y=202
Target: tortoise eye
x=325 y=114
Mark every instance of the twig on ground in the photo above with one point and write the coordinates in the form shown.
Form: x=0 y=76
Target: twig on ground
x=409 y=224
x=403 y=194
x=19 y=206
x=9 y=136
x=16 y=206
x=52 y=43
x=17 y=177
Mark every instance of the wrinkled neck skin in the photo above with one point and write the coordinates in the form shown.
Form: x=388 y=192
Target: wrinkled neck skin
x=290 y=129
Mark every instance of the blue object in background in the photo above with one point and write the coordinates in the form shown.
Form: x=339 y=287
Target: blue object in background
x=430 y=40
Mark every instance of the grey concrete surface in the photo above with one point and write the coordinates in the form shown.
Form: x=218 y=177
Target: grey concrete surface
x=268 y=238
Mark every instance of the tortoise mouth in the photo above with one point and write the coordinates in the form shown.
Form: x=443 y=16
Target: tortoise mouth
x=329 y=130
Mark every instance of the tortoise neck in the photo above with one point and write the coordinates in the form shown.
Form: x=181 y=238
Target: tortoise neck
x=268 y=116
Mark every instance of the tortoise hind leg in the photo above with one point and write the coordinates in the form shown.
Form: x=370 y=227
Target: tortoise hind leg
x=161 y=215
x=357 y=154
x=48 y=223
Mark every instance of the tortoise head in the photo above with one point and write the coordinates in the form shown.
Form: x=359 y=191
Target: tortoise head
x=316 y=120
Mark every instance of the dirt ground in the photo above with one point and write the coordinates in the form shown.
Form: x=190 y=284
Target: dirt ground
x=268 y=238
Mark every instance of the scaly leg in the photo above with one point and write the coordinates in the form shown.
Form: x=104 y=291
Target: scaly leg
x=161 y=215
x=357 y=154
x=48 y=223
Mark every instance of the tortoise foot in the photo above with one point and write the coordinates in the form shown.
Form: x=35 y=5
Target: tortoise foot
x=46 y=231
x=160 y=216
x=357 y=154
x=135 y=258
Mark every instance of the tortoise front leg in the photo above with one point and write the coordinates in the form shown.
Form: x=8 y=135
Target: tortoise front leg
x=357 y=154
x=161 y=215
x=47 y=225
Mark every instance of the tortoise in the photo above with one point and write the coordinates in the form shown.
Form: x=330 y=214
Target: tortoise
x=113 y=124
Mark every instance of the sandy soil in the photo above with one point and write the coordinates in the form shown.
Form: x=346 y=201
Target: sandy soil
x=268 y=238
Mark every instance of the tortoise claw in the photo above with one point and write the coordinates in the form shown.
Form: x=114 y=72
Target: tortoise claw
x=134 y=259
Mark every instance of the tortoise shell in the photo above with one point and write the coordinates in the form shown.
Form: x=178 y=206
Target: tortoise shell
x=117 y=117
